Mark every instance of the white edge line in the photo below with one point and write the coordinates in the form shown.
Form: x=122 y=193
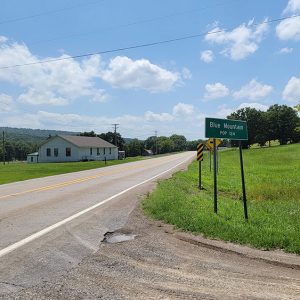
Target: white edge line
x=46 y=230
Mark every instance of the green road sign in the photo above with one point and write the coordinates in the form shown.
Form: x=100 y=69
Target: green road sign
x=226 y=129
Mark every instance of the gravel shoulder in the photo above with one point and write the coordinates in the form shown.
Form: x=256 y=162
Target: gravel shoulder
x=161 y=263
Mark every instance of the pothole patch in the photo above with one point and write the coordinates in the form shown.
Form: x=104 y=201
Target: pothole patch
x=117 y=237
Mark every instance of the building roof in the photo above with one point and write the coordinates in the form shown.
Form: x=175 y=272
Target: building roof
x=33 y=154
x=87 y=141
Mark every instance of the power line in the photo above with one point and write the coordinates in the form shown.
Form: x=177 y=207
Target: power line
x=133 y=23
x=187 y=37
x=49 y=12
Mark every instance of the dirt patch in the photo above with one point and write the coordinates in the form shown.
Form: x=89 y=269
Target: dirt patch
x=156 y=264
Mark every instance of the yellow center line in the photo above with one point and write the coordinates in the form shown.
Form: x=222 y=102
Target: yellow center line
x=71 y=182
x=75 y=181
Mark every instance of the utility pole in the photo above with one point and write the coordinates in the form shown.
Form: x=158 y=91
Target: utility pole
x=115 y=132
x=3 y=144
x=155 y=141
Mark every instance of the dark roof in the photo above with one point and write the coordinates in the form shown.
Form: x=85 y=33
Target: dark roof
x=87 y=141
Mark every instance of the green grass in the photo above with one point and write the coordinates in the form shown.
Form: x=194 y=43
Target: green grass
x=273 y=192
x=22 y=171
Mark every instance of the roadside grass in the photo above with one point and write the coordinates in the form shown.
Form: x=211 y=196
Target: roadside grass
x=272 y=178
x=22 y=171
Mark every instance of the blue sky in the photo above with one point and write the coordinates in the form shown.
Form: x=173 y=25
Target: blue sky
x=239 y=59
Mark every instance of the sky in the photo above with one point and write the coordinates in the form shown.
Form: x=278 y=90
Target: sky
x=62 y=65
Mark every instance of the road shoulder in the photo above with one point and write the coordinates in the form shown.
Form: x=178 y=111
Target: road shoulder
x=163 y=263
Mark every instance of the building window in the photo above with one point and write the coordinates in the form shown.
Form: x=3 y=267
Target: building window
x=104 y=151
x=48 y=152
x=68 y=151
x=98 y=151
x=31 y=158
x=91 y=151
x=109 y=150
x=56 y=152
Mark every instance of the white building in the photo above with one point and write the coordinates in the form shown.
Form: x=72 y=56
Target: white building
x=65 y=148
x=33 y=158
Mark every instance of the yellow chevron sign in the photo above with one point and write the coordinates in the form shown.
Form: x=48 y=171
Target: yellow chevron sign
x=210 y=143
x=200 y=148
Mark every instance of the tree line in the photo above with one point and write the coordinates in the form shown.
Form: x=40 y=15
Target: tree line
x=17 y=150
x=156 y=144
x=279 y=122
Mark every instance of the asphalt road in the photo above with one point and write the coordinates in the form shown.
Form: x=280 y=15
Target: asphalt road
x=62 y=238
x=48 y=225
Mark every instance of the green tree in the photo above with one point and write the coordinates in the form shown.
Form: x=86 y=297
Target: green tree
x=165 y=145
x=283 y=121
x=179 y=141
x=257 y=127
x=90 y=133
x=150 y=143
x=9 y=151
x=110 y=137
x=192 y=145
x=134 y=148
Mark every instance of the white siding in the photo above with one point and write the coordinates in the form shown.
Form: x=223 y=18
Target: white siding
x=77 y=154
x=32 y=159
x=61 y=145
x=85 y=153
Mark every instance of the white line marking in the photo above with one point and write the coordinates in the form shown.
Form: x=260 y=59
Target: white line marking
x=46 y=230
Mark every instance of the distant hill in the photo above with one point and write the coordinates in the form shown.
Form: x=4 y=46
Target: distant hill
x=34 y=136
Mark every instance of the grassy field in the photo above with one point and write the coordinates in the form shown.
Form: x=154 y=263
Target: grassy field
x=273 y=191
x=21 y=171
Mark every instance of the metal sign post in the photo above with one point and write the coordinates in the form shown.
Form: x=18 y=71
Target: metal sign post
x=210 y=147
x=243 y=182
x=233 y=130
x=215 y=179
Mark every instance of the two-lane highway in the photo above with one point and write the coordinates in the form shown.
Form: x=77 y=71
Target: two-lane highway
x=48 y=225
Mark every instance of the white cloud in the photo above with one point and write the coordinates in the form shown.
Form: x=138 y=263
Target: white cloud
x=253 y=90
x=135 y=126
x=289 y=29
x=183 y=109
x=123 y=72
x=55 y=83
x=215 y=91
x=6 y=103
x=292 y=7
x=37 y=97
x=3 y=39
x=285 y=50
x=162 y=117
x=207 y=56
x=257 y=106
x=223 y=111
x=241 y=41
x=186 y=73
x=291 y=91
